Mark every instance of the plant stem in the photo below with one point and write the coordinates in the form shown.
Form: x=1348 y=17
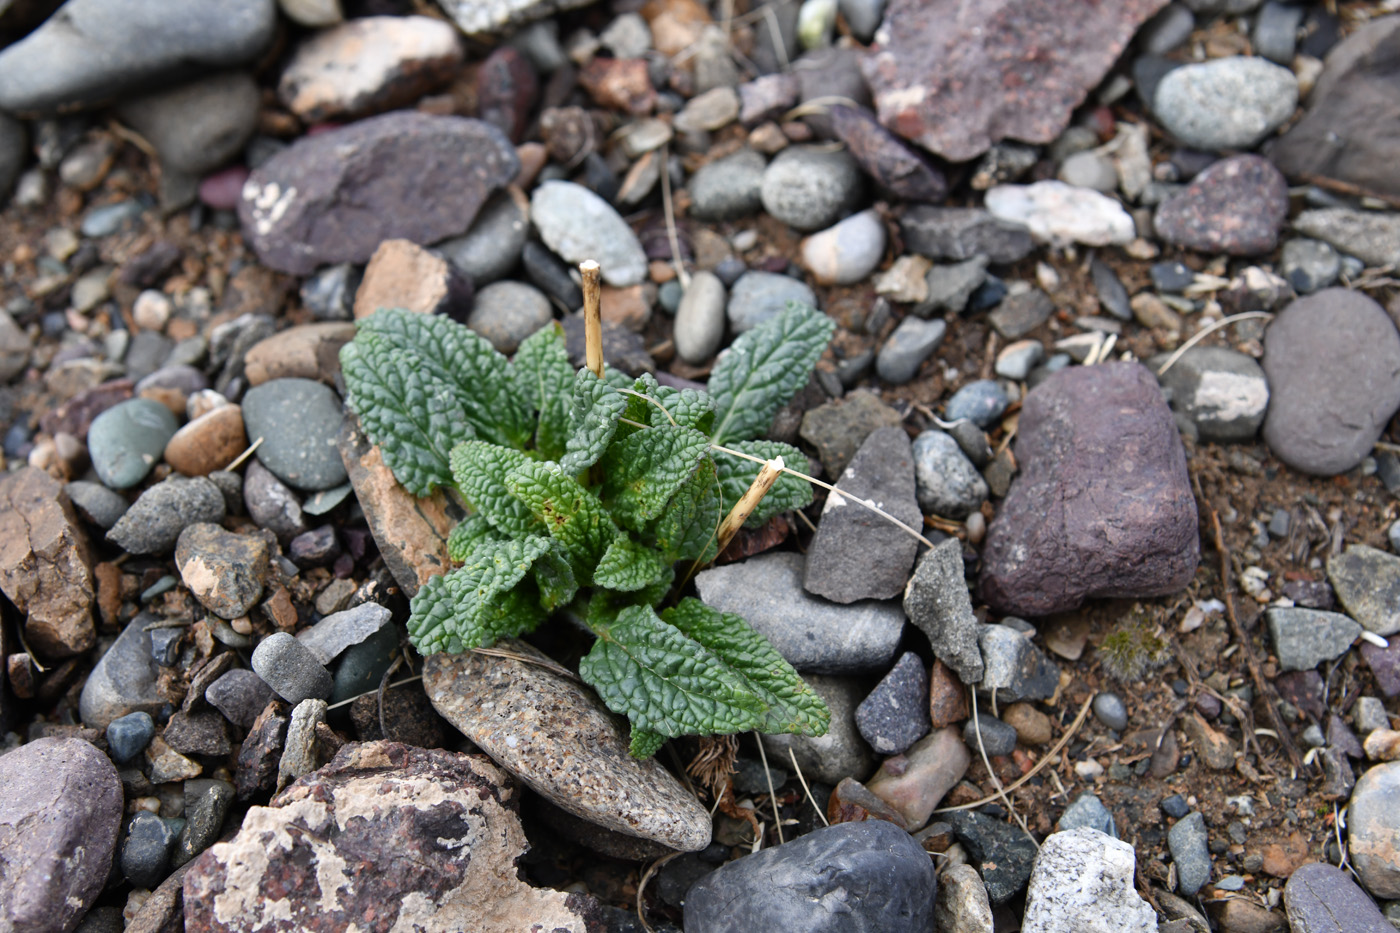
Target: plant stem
x=748 y=501
x=592 y=316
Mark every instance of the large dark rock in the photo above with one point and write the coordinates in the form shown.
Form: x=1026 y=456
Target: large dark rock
x=960 y=233
x=1103 y=504
x=1345 y=133
x=425 y=839
x=1001 y=851
x=59 y=815
x=334 y=197
x=1236 y=206
x=1333 y=380
x=1321 y=898
x=956 y=78
x=851 y=877
x=857 y=554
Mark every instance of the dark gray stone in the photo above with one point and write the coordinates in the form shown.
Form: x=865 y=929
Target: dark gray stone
x=207 y=802
x=96 y=503
x=198 y=126
x=856 y=554
x=14 y=152
x=128 y=736
x=1187 y=842
x=838 y=428
x=1371 y=236
x=1367 y=583
x=316 y=548
x=997 y=737
x=59 y=818
x=549 y=274
x=728 y=188
x=811 y=633
x=938 y=602
x=1371 y=830
x=895 y=715
x=848 y=878
x=841 y=753
x=290 y=669
x=1321 y=898
x=1304 y=638
x=960 y=233
x=153 y=523
x=362 y=665
x=1103 y=503
x=758 y=296
x=145 y=858
x=896 y=167
x=1018 y=315
x=1309 y=265
x=951 y=286
x=1014 y=667
x=126 y=440
x=240 y=695
x=491 y=248
x=947 y=483
x=1330 y=359
x=998 y=849
x=905 y=350
x=1220 y=391
x=123 y=680
x=298 y=420
x=271 y=503
x=330 y=294
x=334 y=197
x=1112 y=295
x=1175 y=806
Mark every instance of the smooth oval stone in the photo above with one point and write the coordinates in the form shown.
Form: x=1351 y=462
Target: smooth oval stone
x=1228 y=103
x=700 y=318
x=298 y=420
x=556 y=736
x=505 y=313
x=758 y=296
x=810 y=188
x=491 y=247
x=124 y=680
x=847 y=252
x=578 y=225
x=1371 y=830
x=126 y=440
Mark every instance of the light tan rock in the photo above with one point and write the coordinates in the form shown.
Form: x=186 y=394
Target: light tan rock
x=402 y=274
x=914 y=783
x=311 y=351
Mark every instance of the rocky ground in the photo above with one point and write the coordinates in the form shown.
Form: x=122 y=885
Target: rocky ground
x=1116 y=328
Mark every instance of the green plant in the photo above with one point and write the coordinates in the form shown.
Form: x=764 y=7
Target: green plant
x=1133 y=647
x=586 y=494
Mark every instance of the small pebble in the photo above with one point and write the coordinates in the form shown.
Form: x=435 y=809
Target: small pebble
x=290 y=669
x=506 y=312
x=982 y=402
x=997 y=737
x=1109 y=710
x=1175 y=806
x=128 y=736
x=907 y=347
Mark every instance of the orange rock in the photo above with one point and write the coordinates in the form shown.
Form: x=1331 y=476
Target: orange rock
x=947 y=697
x=1282 y=859
x=208 y=443
x=402 y=274
x=626 y=306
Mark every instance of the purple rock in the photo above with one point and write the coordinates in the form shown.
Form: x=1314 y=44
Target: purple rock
x=505 y=89
x=1103 y=505
x=895 y=715
x=1236 y=206
x=59 y=815
x=334 y=197
x=895 y=166
x=1321 y=898
x=957 y=77
x=1304 y=690
x=1385 y=665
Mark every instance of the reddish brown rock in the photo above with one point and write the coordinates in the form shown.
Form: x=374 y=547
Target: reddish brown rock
x=1321 y=898
x=311 y=351
x=1236 y=206
x=402 y=274
x=956 y=78
x=1103 y=504
x=386 y=835
x=46 y=564
x=209 y=442
x=505 y=91
x=914 y=783
x=75 y=416
x=852 y=802
x=619 y=84
x=947 y=697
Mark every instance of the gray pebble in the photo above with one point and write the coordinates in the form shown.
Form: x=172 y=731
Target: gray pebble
x=907 y=347
x=1370 y=715
x=1175 y=806
x=491 y=247
x=207 y=802
x=981 y=402
x=1109 y=710
x=757 y=296
x=1304 y=638
x=1112 y=295
x=128 y=736
x=505 y=313
x=1188 y=844
x=1088 y=811
x=896 y=715
x=362 y=666
x=154 y=522
x=145 y=858
x=728 y=188
x=1309 y=265
x=271 y=503
x=298 y=420
x=1220 y=392
x=947 y=482
x=330 y=294
x=1276 y=31
x=1016 y=360
x=950 y=286
x=1226 y=103
x=240 y=695
x=339 y=630
x=810 y=188
x=1168 y=29
x=700 y=318
x=109 y=218
x=128 y=439
x=997 y=737
x=1013 y=666
x=96 y=503
x=1089 y=170
x=291 y=669
x=577 y=224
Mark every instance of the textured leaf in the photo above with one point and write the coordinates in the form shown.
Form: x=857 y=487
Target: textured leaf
x=644 y=744
x=792 y=705
x=763 y=369
x=486 y=599
x=736 y=475
x=571 y=514
x=555 y=577
x=413 y=418
x=664 y=682
x=545 y=378
x=470 y=531
x=480 y=471
x=688 y=408
x=463 y=360
x=643 y=470
x=687 y=526
x=593 y=421
x=627 y=565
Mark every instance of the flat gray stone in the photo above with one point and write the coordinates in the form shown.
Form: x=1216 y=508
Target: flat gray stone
x=1221 y=391
x=1187 y=842
x=1014 y=667
x=938 y=602
x=298 y=420
x=905 y=350
x=290 y=669
x=1371 y=236
x=1367 y=583
x=339 y=630
x=758 y=296
x=810 y=632
x=1321 y=898
x=578 y=225
x=1304 y=638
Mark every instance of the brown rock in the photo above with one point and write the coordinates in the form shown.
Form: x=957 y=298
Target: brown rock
x=505 y=91
x=852 y=802
x=1282 y=859
x=402 y=274
x=627 y=307
x=619 y=84
x=411 y=533
x=208 y=443
x=1215 y=749
x=1238 y=915
x=164 y=910
x=200 y=733
x=1103 y=504
x=75 y=415
x=46 y=564
x=1382 y=745
x=1236 y=206
x=311 y=351
x=224 y=571
x=1031 y=725
x=947 y=697
x=386 y=834
x=914 y=783
x=895 y=166
x=956 y=78
x=258 y=756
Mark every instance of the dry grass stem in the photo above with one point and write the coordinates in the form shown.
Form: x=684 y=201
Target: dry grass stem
x=1208 y=330
x=772 y=794
x=592 y=316
x=245 y=455
x=370 y=693
x=748 y=501
x=669 y=209
x=801 y=779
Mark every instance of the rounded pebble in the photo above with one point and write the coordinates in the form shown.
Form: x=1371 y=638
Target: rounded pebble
x=997 y=737
x=810 y=188
x=1016 y=360
x=298 y=421
x=728 y=188
x=96 y=503
x=1226 y=103
x=505 y=313
x=848 y=252
x=1309 y=265
x=981 y=402
x=757 y=296
x=907 y=347
x=947 y=483
x=699 y=326
x=126 y=440
x=128 y=736
x=1109 y=710
x=577 y=224
x=208 y=443
x=290 y=669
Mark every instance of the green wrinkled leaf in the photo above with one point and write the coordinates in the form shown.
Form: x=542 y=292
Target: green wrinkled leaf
x=481 y=601
x=555 y=577
x=736 y=475
x=688 y=408
x=544 y=377
x=687 y=526
x=593 y=421
x=480 y=470
x=626 y=566
x=471 y=531
x=792 y=706
x=642 y=471
x=460 y=358
x=571 y=514
x=639 y=397
x=664 y=682
x=764 y=368
x=413 y=418
x=644 y=744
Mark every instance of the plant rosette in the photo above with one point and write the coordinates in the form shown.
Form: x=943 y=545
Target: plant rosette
x=587 y=495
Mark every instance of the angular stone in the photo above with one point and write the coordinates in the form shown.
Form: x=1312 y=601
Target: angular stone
x=852 y=802
x=812 y=634
x=960 y=233
x=865 y=877
x=895 y=714
x=1304 y=638
x=1014 y=667
x=915 y=782
x=153 y=523
x=402 y=274
x=947 y=697
x=1367 y=583
x=838 y=428
x=124 y=679
x=46 y=564
x=938 y=602
x=334 y=197
x=1062 y=214
x=856 y=553
x=1082 y=882
x=998 y=849
x=299 y=751
x=895 y=166
x=256 y=770
x=198 y=733
x=333 y=634
x=1236 y=206
x=556 y=736
x=1330 y=358
x=1103 y=504
x=962 y=902
x=224 y=571
x=59 y=818
x=1215 y=748
x=1371 y=236
x=1221 y=391
x=956 y=79
x=1321 y=898
x=425 y=839
x=1187 y=842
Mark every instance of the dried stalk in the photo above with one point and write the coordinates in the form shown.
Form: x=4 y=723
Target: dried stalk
x=592 y=316
x=748 y=501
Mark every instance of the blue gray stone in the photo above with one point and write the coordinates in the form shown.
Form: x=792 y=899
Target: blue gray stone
x=507 y=312
x=1304 y=638
x=981 y=402
x=340 y=630
x=96 y=503
x=290 y=669
x=1087 y=812
x=362 y=666
x=700 y=318
x=240 y=695
x=997 y=737
x=896 y=715
x=109 y=218
x=491 y=247
x=128 y=736
x=1309 y=265
x=907 y=347
x=1014 y=666
x=866 y=877
x=998 y=849
x=298 y=420
x=758 y=296
x=728 y=188
x=146 y=852
x=128 y=439
x=124 y=679
x=1225 y=103
x=947 y=482
x=1109 y=710
x=1188 y=844
x=153 y=523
